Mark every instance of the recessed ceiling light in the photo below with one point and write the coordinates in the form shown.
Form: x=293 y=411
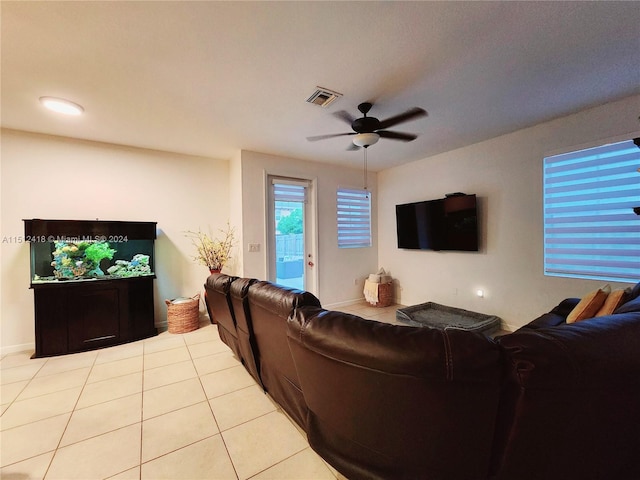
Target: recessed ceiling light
x=60 y=105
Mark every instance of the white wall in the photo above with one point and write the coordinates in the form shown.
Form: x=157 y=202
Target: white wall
x=506 y=174
x=60 y=178
x=337 y=267
x=235 y=266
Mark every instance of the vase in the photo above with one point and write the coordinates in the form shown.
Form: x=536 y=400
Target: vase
x=214 y=270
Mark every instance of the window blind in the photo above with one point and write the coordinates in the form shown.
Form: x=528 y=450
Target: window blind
x=354 y=218
x=590 y=228
x=289 y=191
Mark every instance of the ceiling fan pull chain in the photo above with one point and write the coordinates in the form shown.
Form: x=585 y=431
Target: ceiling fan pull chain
x=365 y=168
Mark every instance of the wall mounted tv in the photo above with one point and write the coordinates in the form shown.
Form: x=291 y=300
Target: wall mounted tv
x=449 y=223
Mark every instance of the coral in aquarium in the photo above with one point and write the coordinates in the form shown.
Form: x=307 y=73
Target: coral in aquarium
x=71 y=260
x=68 y=260
x=137 y=267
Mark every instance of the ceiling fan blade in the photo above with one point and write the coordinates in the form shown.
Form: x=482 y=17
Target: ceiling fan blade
x=410 y=114
x=405 y=137
x=344 y=116
x=331 y=135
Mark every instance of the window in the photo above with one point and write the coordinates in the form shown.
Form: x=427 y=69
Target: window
x=590 y=228
x=354 y=218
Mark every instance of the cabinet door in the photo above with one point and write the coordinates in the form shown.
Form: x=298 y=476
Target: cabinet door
x=51 y=322
x=140 y=311
x=94 y=316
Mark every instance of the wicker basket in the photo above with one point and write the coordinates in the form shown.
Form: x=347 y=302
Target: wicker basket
x=385 y=295
x=183 y=314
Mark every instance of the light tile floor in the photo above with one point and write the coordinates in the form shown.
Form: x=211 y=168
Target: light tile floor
x=168 y=407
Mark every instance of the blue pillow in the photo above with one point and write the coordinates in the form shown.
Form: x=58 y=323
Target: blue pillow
x=635 y=292
x=632 y=305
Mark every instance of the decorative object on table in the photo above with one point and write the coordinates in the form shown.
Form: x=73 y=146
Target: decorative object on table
x=378 y=289
x=213 y=252
x=183 y=314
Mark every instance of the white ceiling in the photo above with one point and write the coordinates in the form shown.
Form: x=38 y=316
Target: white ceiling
x=211 y=78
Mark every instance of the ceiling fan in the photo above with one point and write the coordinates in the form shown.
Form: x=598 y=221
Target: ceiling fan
x=368 y=130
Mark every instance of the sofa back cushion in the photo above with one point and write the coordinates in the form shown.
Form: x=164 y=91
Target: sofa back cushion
x=239 y=292
x=389 y=401
x=220 y=310
x=270 y=305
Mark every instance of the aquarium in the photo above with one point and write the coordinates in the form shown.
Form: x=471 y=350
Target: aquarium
x=75 y=250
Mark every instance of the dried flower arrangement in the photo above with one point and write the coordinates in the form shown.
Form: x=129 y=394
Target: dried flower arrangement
x=212 y=252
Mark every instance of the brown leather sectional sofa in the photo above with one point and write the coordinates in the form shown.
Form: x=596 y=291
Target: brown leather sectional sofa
x=379 y=401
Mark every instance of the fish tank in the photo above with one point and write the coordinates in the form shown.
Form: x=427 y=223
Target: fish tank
x=87 y=250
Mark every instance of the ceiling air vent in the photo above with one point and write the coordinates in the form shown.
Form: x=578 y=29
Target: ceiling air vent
x=323 y=97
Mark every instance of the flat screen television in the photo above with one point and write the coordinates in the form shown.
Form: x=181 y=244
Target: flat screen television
x=449 y=223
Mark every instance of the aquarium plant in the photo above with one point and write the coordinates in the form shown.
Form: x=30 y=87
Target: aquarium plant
x=95 y=253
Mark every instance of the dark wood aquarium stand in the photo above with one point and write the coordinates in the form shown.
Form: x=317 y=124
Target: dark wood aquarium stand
x=75 y=316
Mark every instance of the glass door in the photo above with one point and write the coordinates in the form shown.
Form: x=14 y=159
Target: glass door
x=291 y=257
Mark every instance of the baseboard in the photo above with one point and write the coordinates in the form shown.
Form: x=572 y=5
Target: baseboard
x=331 y=306
x=508 y=328
x=25 y=347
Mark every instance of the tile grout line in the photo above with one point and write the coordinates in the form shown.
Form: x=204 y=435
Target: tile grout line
x=144 y=347
x=23 y=388
x=55 y=451
x=235 y=470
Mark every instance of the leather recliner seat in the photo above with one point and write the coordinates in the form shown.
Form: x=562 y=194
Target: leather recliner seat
x=396 y=402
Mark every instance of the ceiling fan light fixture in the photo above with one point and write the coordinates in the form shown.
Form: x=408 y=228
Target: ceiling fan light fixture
x=60 y=105
x=366 y=139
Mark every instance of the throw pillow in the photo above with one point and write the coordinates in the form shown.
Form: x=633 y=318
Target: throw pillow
x=589 y=305
x=613 y=301
x=634 y=292
x=629 y=306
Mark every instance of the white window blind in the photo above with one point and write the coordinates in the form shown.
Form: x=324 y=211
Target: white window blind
x=590 y=228
x=289 y=190
x=354 y=218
